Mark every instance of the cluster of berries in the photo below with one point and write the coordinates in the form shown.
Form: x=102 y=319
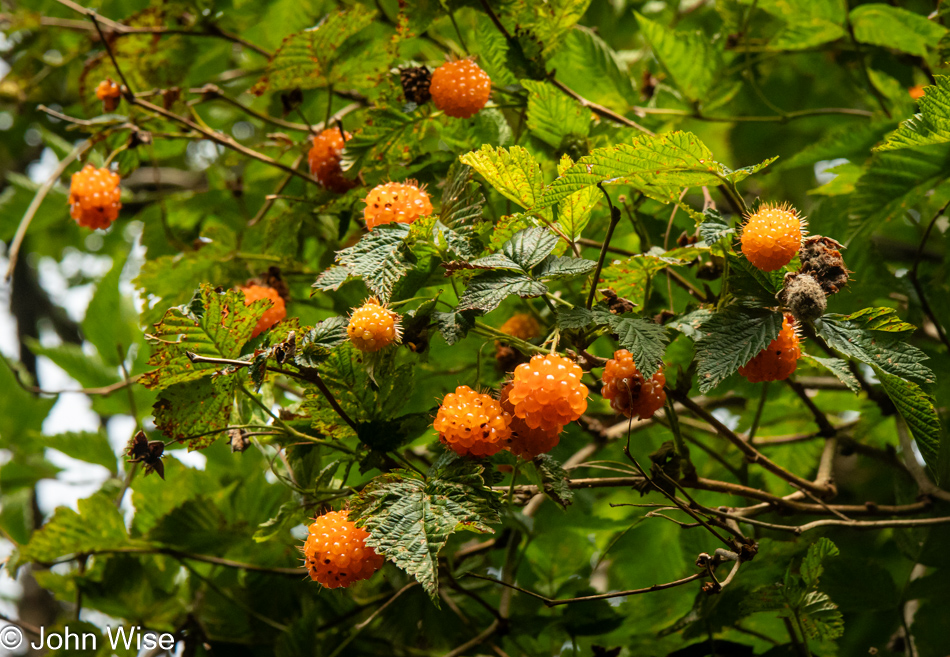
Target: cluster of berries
x=460 y=88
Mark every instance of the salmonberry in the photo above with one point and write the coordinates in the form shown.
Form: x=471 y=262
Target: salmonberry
x=94 y=197
x=460 y=88
x=526 y=442
x=415 y=82
x=324 y=159
x=472 y=424
x=521 y=326
x=109 y=93
x=778 y=361
x=772 y=236
x=917 y=92
x=393 y=202
x=373 y=327
x=548 y=393
x=274 y=314
x=802 y=295
x=335 y=552
x=628 y=391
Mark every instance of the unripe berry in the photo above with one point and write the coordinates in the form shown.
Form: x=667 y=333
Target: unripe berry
x=772 y=236
x=274 y=314
x=778 y=361
x=372 y=327
x=472 y=424
x=522 y=326
x=526 y=442
x=94 y=197
x=394 y=202
x=547 y=392
x=324 y=159
x=460 y=88
x=109 y=93
x=335 y=552
x=629 y=393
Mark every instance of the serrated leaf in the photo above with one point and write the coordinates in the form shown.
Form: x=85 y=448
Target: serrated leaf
x=812 y=566
x=573 y=318
x=333 y=278
x=557 y=267
x=486 y=292
x=553 y=115
x=892 y=27
x=306 y=59
x=821 y=617
x=691 y=58
x=454 y=326
x=530 y=246
x=379 y=258
x=195 y=410
x=731 y=338
x=513 y=172
x=714 y=228
x=317 y=343
x=492 y=49
x=691 y=324
x=215 y=324
x=645 y=340
x=894 y=182
x=462 y=199
x=554 y=480
x=806 y=33
x=495 y=261
x=410 y=519
x=88 y=446
x=629 y=278
x=931 y=125
x=917 y=409
x=840 y=369
x=197 y=525
x=589 y=66
x=855 y=336
x=848 y=141
x=385 y=127
x=751 y=285
x=573 y=212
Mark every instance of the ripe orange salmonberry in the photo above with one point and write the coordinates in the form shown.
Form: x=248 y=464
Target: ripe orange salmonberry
x=472 y=424
x=778 y=361
x=372 y=327
x=548 y=393
x=109 y=93
x=94 y=197
x=335 y=551
x=460 y=88
x=324 y=160
x=917 y=91
x=629 y=393
x=772 y=236
x=526 y=442
x=521 y=326
x=393 y=202
x=272 y=315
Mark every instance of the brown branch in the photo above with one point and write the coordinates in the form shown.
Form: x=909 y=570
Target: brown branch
x=179 y=554
x=824 y=425
x=599 y=109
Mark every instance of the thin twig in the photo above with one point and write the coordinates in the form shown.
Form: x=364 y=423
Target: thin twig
x=614 y=220
x=912 y=275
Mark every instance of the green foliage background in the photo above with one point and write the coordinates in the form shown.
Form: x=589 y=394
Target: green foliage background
x=687 y=114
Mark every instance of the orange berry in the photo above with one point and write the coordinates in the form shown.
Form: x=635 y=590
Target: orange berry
x=324 y=160
x=94 y=197
x=460 y=88
x=526 y=442
x=778 y=361
x=629 y=393
x=335 y=552
x=393 y=202
x=372 y=327
x=547 y=392
x=272 y=315
x=917 y=91
x=772 y=236
x=521 y=326
x=472 y=424
x=109 y=93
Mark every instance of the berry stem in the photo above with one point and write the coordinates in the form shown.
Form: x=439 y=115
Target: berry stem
x=614 y=220
x=682 y=449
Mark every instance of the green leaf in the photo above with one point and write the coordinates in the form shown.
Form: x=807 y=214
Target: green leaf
x=97 y=526
x=462 y=199
x=486 y=292
x=529 y=247
x=88 y=446
x=306 y=59
x=806 y=33
x=812 y=567
x=894 y=182
x=839 y=368
x=849 y=141
x=195 y=526
x=574 y=318
x=917 y=409
x=629 y=278
x=931 y=125
x=333 y=278
x=553 y=115
x=821 y=617
x=385 y=128
x=554 y=480
x=454 y=326
x=492 y=49
x=557 y=267
x=690 y=58
x=645 y=340
x=750 y=285
x=856 y=336
x=111 y=320
x=193 y=409
x=513 y=172
x=892 y=27
x=317 y=343
x=573 y=212
x=714 y=228
x=379 y=258
x=409 y=519
x=731 y=338
x=215 y=324
x=586 y=64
